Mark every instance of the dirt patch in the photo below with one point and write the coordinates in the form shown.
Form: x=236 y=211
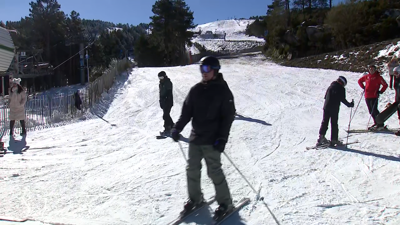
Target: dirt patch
x=354 y=59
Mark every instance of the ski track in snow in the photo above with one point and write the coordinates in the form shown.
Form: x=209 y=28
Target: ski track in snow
x=93 y=173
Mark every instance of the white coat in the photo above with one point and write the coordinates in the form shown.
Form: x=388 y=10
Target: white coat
x=17 y=105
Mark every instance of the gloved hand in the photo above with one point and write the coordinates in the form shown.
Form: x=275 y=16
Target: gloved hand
x=175 y=134
x=219 y=145
x=352 y=104
x=380 y=92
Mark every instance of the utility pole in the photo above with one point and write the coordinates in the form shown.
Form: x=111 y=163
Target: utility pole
x=82 y=63
x=87 y=65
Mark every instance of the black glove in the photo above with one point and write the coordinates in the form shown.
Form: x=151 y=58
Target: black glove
x=351 y=104
x=380 y=92
x=175 y=134
x=219 y=145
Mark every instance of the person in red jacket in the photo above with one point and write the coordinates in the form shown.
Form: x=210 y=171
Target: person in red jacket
x=372 y=87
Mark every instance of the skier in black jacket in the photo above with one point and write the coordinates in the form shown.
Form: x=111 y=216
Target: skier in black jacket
x=335 y=94
x=166 y=101
x=211 y=108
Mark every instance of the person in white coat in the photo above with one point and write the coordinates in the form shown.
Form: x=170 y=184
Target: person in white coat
x=17 y=102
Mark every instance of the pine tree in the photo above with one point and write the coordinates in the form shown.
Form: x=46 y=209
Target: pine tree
x=170 y=24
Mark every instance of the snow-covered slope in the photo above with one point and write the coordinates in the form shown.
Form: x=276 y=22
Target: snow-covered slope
x=235 y=39
x=94 y=173
x=234 y=29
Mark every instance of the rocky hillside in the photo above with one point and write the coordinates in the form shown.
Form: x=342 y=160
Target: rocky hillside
x=354 y=59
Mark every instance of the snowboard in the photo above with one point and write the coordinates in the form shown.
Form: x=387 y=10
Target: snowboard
x=387 y=113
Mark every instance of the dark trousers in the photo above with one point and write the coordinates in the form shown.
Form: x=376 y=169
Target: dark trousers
x=333 y=116
x=397 y=89
x=214 y=171
x=372 y=104
x=168 y=123
x=12 y=123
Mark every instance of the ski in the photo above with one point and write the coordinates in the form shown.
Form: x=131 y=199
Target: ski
x=318 y=146
x=183 y=215
x=323 y=146
x=385 y=130
x=239 y=206
x=162 y=135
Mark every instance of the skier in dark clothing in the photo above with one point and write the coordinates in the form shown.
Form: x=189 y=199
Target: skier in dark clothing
x=211 y=108
x=335 y=94
x=395 y=80
x=78 y=101
x=166 y=101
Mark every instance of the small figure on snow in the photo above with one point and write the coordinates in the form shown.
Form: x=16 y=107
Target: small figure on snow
x=211 y=108
x=166 y=101
x=335 y=94
x=17 y=97
x=373 y=82
x=395 y=80
x=78 y=101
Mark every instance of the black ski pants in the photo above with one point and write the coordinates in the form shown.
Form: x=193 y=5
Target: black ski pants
x=397 y=98
x=372 y=104
x=168 y=123
x=333 y=116
x=12 y=123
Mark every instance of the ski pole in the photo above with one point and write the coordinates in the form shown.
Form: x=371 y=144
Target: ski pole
x=348 y=127
x=276 y=220
x=112 y=124
x=183 y=153
x=357 y=105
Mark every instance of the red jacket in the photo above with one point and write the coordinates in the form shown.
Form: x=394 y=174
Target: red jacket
x=372 y=84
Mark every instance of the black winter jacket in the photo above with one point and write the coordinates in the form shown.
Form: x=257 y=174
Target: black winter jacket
x=334 y=95
x=210 y=106
x=166 y=97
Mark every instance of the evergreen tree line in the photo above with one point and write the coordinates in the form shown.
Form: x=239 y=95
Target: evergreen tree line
x=161 y=43
x=306 y=27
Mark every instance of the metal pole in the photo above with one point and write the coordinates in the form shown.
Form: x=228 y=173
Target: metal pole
x=348 y=127
x=87 y=65
x=2 y=86
x=82 y=66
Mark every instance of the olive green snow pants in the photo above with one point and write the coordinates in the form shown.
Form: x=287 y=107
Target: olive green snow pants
x=214 y=171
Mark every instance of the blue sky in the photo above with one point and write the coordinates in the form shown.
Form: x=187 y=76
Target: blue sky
x=138 y=11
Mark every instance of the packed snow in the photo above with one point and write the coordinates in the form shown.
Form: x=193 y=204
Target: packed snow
x=92 y=172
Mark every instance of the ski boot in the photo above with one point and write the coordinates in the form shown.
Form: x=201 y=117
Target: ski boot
x=336 y=143
x=191 y=205
x=221 y=211
x=322 y=141
x=379 y=127
x=372 y=128
x=166 y=132
x=397 y=133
